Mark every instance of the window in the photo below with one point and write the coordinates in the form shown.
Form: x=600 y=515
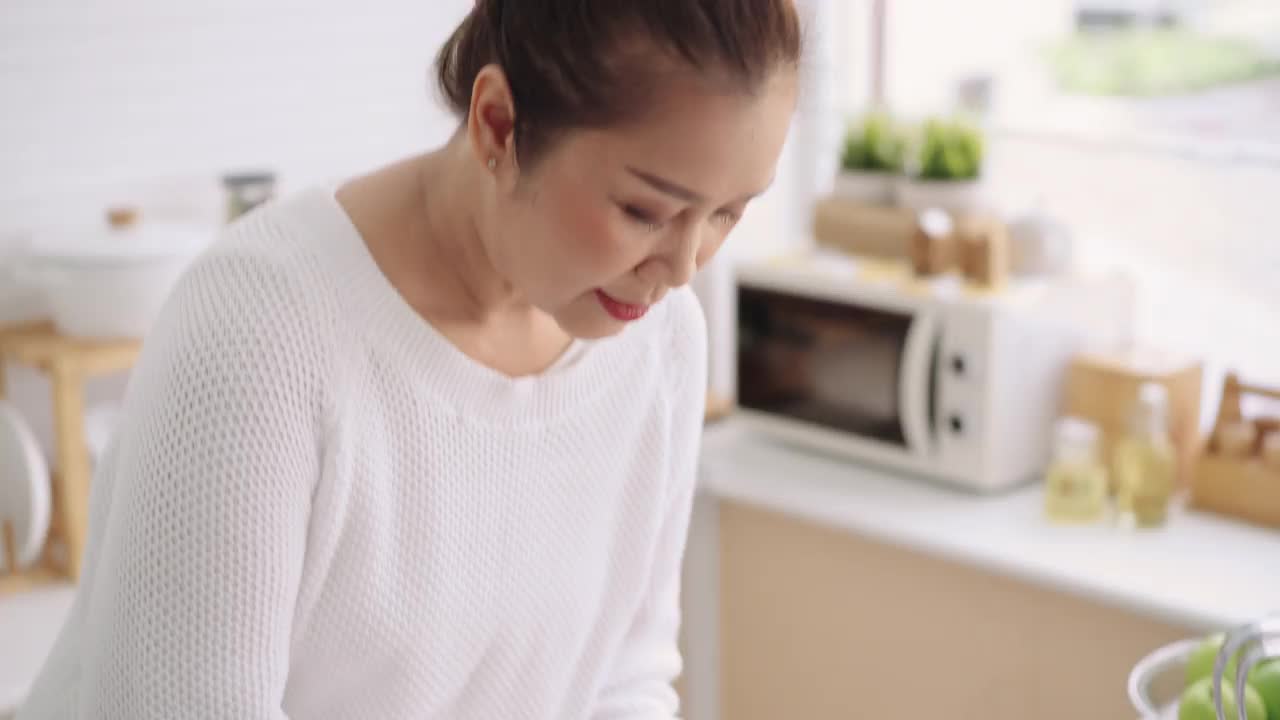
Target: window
x=1151 y=126
x=1189 y=71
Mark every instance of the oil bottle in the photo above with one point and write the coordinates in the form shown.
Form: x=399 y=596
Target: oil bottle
x=1145 y=462
x=1076 y=488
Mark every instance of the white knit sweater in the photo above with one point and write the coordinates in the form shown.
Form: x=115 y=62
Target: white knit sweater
x=317 y=507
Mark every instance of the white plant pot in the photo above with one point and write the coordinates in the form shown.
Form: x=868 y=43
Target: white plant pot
x=870 y=188
x=112 y=287
x=950 y=195
x=108 y=301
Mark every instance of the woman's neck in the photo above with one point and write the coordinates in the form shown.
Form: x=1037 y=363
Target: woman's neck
x=453 y=198
x=423 y=221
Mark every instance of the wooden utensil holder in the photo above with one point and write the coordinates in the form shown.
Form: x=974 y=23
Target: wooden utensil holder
x=1244 y=486
x=69 y=363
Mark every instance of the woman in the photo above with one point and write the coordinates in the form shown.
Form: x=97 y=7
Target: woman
x=424 y=446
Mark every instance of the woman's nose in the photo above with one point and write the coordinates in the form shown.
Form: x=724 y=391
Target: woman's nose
x=682 y=258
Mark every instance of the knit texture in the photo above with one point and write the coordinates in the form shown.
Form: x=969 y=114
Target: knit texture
x=318 y=507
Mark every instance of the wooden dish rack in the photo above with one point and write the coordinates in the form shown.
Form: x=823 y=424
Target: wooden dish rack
x=1244 y=485
x=69 y=364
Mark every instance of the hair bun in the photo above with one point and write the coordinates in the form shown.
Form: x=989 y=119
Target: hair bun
x=561 y=57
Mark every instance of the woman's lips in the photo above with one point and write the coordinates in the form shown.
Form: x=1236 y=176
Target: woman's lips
x=621 y=311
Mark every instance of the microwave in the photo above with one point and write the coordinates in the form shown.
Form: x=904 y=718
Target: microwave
x=930 y=378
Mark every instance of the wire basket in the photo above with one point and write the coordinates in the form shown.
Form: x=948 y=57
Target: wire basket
x=1156 y=682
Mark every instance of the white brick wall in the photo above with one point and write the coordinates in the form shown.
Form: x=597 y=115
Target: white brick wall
x=150 y=99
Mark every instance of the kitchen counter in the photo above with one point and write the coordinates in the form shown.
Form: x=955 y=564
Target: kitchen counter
x=1201 y=571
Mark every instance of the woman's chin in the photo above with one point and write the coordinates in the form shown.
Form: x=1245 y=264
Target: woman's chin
x=596 y=329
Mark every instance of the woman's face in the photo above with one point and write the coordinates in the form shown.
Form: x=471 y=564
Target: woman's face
x=610 y=220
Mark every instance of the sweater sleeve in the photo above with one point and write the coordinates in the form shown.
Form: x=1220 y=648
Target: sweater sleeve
x=201 y=556
x=640 y=685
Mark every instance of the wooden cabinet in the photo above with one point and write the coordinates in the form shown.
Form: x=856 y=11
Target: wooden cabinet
x=817 y=623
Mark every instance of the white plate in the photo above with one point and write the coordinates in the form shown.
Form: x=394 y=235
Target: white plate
x=25 y=495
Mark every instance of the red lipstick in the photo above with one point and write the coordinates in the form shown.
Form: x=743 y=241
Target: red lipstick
x=621 y=311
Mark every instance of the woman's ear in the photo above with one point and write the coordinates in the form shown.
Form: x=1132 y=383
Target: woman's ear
x=492 y=119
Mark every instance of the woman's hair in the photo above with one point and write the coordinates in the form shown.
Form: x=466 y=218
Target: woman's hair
x=592 y=63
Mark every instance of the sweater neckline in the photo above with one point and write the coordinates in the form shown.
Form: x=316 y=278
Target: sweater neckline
x=472 y=388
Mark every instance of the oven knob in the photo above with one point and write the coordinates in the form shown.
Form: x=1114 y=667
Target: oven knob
x=958 y=365
x=957 y=424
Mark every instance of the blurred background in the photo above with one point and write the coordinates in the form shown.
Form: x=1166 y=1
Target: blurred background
x=1148 y=129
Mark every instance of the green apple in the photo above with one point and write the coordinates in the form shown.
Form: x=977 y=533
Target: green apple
x=1200 y=661
x=1265 y=678
x=1197 y=702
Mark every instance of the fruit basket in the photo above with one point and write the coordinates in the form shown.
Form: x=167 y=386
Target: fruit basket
x=1167 y=677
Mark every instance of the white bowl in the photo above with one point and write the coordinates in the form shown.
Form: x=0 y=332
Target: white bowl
x=21 y=303
x=1155 y=683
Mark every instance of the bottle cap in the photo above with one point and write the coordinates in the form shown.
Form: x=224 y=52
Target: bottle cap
x=1075 y=437
x=1151 y=413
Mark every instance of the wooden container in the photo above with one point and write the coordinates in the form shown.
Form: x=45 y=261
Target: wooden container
x=1241 y=486
x=864 y=230
x=1271 y=451
x=1103 y=388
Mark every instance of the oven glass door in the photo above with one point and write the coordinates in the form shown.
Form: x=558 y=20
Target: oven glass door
x=827 y=363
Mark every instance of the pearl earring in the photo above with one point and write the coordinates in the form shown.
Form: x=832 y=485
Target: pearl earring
x=493 y=164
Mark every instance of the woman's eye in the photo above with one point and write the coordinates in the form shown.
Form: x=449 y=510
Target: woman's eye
x=725 y=217
x=642 y=216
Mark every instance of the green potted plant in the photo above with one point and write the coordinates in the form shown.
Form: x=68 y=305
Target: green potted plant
x=871 y=160
x=946 y=167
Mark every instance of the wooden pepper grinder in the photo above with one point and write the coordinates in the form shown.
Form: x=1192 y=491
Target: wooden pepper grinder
x=933 y=243
x=984 y=250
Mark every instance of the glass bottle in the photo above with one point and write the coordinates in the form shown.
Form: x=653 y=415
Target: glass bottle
x=1076 y=482
x=1145 y=461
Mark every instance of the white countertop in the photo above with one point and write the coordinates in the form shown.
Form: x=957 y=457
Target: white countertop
x=1201 y=571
